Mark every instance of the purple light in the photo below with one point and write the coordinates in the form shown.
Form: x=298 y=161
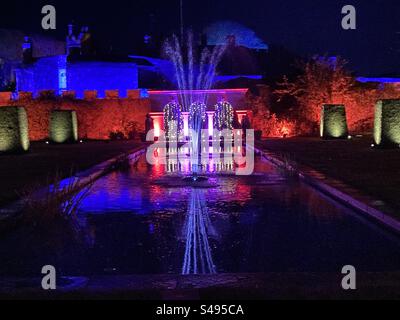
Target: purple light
x=380 y=80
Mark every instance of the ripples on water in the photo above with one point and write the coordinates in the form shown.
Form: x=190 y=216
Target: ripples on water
x=257 y=223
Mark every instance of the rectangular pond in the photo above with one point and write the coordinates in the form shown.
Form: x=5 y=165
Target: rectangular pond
x=137 y=223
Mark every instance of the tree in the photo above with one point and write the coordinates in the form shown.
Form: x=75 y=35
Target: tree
x=323 y=80
x=265 y=121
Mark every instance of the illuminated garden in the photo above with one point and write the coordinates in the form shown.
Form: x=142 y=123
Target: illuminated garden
x=214 y=165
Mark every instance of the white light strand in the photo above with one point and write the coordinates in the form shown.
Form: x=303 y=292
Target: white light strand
x=223 y=118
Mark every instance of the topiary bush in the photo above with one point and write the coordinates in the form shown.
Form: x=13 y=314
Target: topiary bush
x=333 y=122
x=387 y=123
x=14 y=134
x=63 y=126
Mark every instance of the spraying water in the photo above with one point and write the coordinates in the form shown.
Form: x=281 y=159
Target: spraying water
x=194 y=73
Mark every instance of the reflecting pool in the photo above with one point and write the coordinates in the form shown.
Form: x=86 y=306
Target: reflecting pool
x=265 y=222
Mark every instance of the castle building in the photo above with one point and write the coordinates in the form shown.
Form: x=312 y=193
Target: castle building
x=76 y=70
x=18 y=48
x=80 y=70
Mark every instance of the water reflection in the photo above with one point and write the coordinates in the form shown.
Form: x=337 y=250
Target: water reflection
x=209 y=162
x=196 y=231
x=258 y=223
x=207 y=166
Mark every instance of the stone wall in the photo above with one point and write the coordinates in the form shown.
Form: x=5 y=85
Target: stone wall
x=58 y=74
x=97 y=118
x=101 y=76
x=236 y=97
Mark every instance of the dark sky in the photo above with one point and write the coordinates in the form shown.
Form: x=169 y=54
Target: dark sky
x=306 y=27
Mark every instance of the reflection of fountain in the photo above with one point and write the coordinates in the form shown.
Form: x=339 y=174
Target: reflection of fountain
x=188 y=80
x=198 y=258
x=209 y=169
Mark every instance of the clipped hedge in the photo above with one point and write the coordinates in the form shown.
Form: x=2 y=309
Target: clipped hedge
x=387 y=123
x=63 y=126
x=14 y=135
x=333 y=122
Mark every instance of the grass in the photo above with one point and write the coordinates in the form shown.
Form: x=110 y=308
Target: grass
x=23 y=171
x=375 y=172
x=289 y=166
x=57 y=206
x=47 y=227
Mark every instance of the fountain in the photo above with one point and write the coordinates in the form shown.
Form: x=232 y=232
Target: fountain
x=189 y=80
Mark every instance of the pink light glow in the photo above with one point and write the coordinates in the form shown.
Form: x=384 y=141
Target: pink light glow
x=210 y=123
x=158 y=123
x=175 y=92
x=241 y=114
x=186 y=123
x=157 y=128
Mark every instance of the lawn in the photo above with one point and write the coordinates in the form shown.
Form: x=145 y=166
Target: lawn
x=20 y=172
x=374 y=172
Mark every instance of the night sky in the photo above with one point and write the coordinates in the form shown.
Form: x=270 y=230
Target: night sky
x=305 y=27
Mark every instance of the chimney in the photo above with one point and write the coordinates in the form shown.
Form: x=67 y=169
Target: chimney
x=147 y=39
x=70 y=30
x=73 y=44
x=82 y=34
x=86 y=41
x=27 y=51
